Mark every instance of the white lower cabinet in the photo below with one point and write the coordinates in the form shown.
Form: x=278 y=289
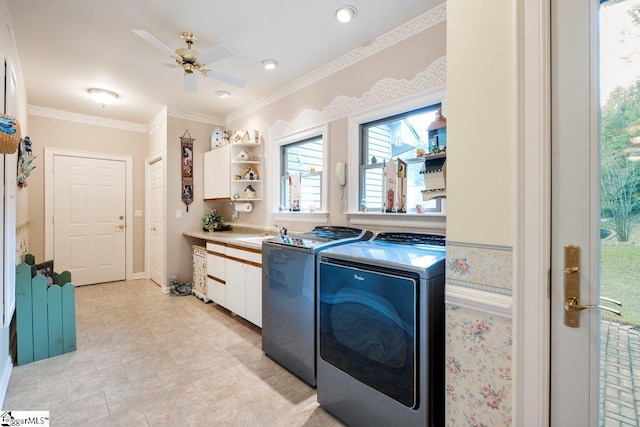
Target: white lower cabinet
x=253 y=302
x=236 y=291
x=244 y=284
x=216 y=273
x=216 y=291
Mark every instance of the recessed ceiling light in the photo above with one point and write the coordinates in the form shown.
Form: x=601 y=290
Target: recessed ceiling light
x=346 y=13
x=102 y=96
x=222 y=93
x=269 y=64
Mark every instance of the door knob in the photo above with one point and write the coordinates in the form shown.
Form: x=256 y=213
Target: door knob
x=153 y=229
x=121 y=226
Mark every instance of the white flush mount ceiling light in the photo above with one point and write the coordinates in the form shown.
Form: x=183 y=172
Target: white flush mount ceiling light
x=269 y=64
x=222 y=94
x=346 y=13
x=102 y=96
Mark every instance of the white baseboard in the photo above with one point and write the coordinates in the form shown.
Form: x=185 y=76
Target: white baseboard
x=138 y=276
x=4 y=380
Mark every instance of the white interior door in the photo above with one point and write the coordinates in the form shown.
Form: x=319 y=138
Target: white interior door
x=156 y=230
x=89 y=218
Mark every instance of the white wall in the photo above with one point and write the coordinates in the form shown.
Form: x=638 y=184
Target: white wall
x=481 y=114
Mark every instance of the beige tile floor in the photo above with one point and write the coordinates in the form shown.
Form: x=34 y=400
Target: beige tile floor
x=149 y=359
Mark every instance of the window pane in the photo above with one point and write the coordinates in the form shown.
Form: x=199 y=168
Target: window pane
x=393 y=138
x=372 y=189
x=301 y=163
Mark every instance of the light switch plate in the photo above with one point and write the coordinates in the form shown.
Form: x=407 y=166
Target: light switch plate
x=178 y=213
x=137 y=213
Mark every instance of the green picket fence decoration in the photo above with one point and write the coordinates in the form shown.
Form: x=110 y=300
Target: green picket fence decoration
x=54 y=316
x=62 y=278
x=24 y=314
x=40 y=328
x=45 y=317
x=69 y=317
x=29 y=259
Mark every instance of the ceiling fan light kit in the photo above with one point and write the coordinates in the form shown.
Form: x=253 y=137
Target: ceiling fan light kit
x=102 y=96
x=191 y=61
x=269 y=64
x=222 y=94
x=346 y=13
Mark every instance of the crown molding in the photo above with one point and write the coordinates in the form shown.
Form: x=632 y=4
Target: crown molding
x=85 y=119
x=384 y=91
x=422 y=22
x=196 y=117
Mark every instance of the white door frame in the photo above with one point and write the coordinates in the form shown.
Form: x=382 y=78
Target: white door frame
x=147 y=222
x=532 y=238
x=49 y=154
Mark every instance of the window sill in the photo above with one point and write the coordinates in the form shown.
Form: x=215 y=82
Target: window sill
x=431 y=221
x=316 y=217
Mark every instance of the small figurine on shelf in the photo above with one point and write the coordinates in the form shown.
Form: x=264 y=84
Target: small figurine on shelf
x=249 y=192
x=251 y=174
x=243 y=156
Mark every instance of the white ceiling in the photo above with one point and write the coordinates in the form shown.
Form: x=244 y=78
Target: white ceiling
x=68 y=46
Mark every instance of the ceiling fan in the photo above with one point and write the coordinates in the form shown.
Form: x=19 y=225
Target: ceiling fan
x=191 y=61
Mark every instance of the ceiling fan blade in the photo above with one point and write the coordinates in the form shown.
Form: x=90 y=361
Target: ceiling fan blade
x=154 y=64
x=157 y=43
x=214 y=55
x=226 y=78
x=190 y=82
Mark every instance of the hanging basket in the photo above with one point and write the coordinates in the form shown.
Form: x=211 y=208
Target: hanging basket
x=9 y=134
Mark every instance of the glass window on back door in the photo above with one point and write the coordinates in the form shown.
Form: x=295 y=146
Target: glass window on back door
x=402 y=137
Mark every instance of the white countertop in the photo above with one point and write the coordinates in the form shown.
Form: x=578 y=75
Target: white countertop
x=238 y=238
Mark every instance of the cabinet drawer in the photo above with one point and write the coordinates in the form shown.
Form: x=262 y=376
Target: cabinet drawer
x=216 y=247
x=216 y=266
x=216 y=291
x=244 y=255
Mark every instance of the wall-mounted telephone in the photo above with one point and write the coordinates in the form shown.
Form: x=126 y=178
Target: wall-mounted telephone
x=341 y=173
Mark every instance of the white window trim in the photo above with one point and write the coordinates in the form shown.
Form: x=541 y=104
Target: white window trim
x=320 y=216
x=435 y=221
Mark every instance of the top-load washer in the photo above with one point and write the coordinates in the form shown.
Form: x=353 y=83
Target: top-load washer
x=381 y=330
x=289 y=292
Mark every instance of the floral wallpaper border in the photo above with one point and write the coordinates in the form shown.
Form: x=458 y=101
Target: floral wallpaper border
x=484 y=267
x=479 y=338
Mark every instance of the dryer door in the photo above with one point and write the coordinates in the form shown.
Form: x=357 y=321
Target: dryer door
x=368 y=327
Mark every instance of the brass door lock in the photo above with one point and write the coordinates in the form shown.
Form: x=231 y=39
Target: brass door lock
x=572 y=306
